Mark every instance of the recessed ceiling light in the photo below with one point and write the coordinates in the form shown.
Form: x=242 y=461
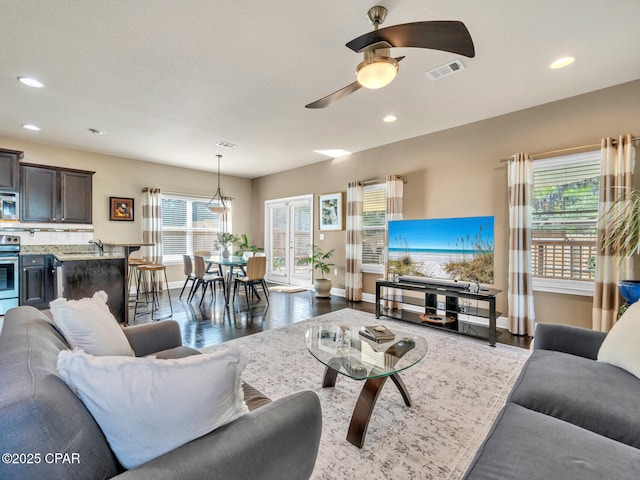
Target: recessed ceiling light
x=562 y=62
x=95 y=131
x=31 y=82
x=333 y=152
x=29 y=126
x=390 y=119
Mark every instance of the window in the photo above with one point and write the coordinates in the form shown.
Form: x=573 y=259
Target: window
x=564 y=220
x=187 y=226
x=374 y=210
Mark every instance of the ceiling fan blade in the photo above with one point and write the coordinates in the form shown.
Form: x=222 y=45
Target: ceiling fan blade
x=446 y=35
x=335 y=96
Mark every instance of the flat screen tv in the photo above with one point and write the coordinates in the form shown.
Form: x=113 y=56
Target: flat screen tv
x=444 y=248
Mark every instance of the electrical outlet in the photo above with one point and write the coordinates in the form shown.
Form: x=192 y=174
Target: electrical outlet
x=335 y=271
x=440 y=305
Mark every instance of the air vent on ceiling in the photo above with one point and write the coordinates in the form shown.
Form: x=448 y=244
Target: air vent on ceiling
x=226 y=144
x=446 y=69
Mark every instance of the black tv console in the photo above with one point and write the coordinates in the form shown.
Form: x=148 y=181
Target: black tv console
x=458 y=306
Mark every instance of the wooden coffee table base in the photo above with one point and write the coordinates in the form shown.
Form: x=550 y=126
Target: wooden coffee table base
x=366 y=402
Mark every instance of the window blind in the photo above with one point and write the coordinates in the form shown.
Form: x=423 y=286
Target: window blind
x=278 y=238
x=564 y=217
x=374 y=209
x=187 y=226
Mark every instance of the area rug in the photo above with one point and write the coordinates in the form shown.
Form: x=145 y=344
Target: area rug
x=287 y=289
x=456 y=390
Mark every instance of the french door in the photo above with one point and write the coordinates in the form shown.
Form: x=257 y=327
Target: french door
x=288 y=234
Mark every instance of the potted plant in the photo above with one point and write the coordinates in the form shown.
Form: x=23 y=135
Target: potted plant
x=319 y=260
x=243 y=246
x=622 y=224
x=224 y=241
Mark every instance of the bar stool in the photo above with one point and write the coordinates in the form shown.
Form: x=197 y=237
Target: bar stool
x=133 y=276
x=152 y=269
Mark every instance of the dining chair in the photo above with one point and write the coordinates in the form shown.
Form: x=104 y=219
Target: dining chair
x=242 y=271
x=210 y=267
x=256 y=269
x=204 y=279
x=188 y=271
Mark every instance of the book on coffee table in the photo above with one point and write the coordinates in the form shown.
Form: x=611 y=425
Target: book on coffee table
x=377 y=333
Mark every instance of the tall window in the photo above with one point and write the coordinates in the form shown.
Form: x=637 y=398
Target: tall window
x=187 y=226
x=564 y=217
x=374 y=207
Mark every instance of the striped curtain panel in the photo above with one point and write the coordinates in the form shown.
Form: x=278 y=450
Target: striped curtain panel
x=152 y=223
x=353 y=256
x=520 y=290
x=616 y=173
x=395 y=193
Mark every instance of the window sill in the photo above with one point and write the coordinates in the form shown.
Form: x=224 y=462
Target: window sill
x=567 y=287
x=377 y=269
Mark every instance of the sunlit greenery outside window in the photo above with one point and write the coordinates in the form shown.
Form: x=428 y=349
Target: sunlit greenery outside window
x=564 y=218
x=187 y=226
x=374 y=207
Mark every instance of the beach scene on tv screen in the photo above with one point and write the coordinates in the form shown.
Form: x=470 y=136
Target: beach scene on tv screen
x=449 y=248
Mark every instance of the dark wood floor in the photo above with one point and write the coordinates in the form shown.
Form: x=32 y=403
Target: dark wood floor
x=213 y=322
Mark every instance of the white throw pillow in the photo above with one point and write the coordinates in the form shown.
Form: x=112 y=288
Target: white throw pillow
x=148 y=406
x=621 y=346
x=88 y=324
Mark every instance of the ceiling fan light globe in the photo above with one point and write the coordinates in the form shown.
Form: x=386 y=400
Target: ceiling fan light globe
x=377 y=72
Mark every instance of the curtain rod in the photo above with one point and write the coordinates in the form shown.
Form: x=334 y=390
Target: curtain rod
x=193 y=195
x=379 y=180
x=562 y=150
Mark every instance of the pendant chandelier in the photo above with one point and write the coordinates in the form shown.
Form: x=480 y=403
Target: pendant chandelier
x=216 y=204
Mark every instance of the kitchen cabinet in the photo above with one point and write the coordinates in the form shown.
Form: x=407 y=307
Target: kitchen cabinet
x=10 y=169
x=56 y=195
x=36 y=280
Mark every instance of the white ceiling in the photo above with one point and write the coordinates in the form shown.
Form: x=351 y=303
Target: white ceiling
x=167 y=79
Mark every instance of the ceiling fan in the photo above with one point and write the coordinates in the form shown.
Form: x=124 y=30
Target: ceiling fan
x=378 y=68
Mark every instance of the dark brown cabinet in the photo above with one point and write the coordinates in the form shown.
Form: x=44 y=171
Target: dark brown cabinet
x=57 y=195
x=37 y=286
x=10 y=169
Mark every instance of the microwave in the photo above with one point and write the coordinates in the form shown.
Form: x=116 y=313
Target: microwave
x=9 y=206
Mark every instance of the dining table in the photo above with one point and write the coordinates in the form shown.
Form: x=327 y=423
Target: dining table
x=230 y=263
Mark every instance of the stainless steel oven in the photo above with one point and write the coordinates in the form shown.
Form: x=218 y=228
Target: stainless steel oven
x=9 y=272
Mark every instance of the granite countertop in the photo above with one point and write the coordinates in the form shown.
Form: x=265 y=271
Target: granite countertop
x=130 y=244
x=66 y=257
x=88 y=251
x=71 y=252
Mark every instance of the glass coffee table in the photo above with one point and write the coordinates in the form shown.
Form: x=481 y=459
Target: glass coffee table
x=344 y=351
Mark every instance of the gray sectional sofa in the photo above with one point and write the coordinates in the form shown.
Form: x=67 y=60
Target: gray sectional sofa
x=567 y=417
x=39 y=414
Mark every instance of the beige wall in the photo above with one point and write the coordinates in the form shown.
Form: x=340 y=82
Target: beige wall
x=451 y=173
x=457 y=172
x=124 y=177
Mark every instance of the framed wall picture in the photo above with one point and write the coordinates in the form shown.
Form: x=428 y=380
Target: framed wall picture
x=331 y=211
x=121 y=209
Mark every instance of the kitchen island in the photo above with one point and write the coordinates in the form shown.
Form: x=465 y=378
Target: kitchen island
x=81 y=275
